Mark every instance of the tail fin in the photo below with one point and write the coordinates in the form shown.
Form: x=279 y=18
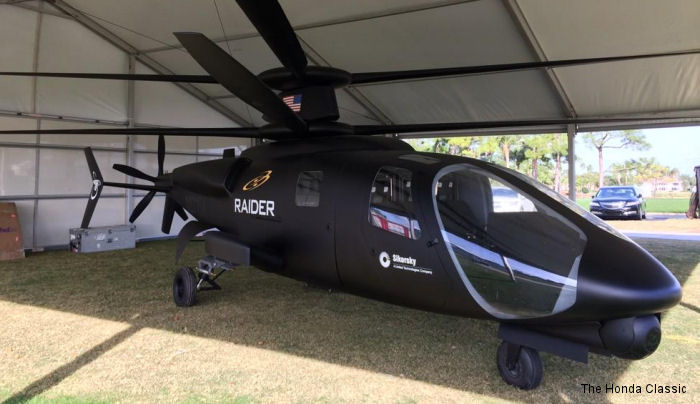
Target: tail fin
x=95 y=191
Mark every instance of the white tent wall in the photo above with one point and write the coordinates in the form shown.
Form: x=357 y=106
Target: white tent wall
x=65 y=46
x=47 y=176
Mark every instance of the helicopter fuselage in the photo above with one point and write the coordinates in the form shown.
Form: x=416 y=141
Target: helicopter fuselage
x=374 y=217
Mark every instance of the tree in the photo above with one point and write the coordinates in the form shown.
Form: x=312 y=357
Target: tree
x=540 y=147
x=423 y=145
x=651 y=170
x=559 y=147
x=688 y=181
x=507 y=144
x=625 y=173
x=614 y=140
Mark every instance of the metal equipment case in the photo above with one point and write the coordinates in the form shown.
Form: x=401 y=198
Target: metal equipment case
x=107 y=238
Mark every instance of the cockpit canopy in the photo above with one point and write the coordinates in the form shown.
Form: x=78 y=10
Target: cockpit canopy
x=517 y=257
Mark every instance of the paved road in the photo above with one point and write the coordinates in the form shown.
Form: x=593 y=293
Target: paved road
x=665 y=216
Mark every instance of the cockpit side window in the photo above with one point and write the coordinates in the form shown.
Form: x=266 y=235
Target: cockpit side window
x=391 y=206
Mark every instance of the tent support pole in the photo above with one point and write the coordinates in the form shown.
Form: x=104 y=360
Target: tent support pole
x=571 y=158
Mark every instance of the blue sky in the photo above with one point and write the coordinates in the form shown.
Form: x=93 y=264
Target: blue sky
x=672 y=147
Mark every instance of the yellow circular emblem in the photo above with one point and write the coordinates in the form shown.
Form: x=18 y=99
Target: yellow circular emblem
x=257 y=181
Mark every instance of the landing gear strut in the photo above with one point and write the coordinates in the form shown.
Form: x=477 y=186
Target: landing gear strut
x=186 y=283
x=518 y=357
x=224 y=253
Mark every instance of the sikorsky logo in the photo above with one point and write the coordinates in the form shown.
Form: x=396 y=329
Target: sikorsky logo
x=404 y=260
x=396 y=261
x=257 y=181
x=258 y=207
x=384 y=259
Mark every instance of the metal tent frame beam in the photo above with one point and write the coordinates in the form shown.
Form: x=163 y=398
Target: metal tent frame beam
x=149 y=62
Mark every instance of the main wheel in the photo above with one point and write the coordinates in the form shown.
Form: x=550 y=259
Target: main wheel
x=185 y=287
x=526 y=373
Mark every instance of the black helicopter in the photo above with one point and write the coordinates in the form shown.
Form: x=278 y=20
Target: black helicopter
x=328 y=203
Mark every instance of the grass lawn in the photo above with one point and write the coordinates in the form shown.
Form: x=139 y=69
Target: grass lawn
x=103 y=328
x=656 y=205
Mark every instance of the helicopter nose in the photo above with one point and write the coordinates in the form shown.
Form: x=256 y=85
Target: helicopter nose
x=619 y=279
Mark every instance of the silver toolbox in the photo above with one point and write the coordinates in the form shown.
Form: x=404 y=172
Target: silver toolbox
x=105 y=238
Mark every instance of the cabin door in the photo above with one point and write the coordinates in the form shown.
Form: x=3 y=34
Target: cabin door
x=383 y=247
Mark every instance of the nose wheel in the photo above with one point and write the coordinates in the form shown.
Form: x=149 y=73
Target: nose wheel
x=519 y=366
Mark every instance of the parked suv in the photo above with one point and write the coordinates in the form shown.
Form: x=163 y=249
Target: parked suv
x=619 y=202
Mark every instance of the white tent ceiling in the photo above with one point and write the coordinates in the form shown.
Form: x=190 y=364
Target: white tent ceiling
x=370 y=35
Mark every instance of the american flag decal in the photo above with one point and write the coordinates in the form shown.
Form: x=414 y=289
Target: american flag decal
x=293 y=102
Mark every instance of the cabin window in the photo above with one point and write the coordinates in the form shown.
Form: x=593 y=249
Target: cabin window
x=308 y=192
x=391 y=206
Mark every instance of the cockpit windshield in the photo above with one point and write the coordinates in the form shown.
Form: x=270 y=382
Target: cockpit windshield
x=516 y=256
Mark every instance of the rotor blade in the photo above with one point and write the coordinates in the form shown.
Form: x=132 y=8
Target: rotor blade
x=161 y=154
x=141 y=206
x=375 y=77
x=168 y=213
x=169 y=78
x=239 y=80
x=217 y=132
x=269 y=19
x=449 y=126
x=133 y=172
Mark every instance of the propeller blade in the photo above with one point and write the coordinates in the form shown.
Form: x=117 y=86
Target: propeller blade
x=141 y=206
x=180 y=210
x=168 y=213
x=169 y=78
x=449 y=126
x=161 y=154
x=216 y=132
x=133 y=172
x=137 y=186
x=95 y=190
x=269 y=19
x=239 y=80
x=90 y=208
x=376 y=77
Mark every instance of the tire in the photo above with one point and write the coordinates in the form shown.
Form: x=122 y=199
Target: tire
x=527 y=372
x=184 y=287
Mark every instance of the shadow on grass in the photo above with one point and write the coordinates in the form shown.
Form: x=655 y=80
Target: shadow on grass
x=56 y=376
x=271 y=312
